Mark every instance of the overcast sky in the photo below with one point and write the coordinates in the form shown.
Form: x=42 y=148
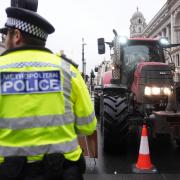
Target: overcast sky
x=88 y=19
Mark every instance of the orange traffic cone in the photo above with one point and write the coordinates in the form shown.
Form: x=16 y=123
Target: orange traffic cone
x=144 y=164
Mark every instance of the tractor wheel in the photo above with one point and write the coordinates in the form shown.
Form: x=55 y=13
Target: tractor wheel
x=115 y=123
x=97 y=103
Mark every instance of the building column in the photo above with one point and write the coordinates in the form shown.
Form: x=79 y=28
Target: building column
x=162 y=33
x=167 y=32
x=172 y=28
x=178 y=40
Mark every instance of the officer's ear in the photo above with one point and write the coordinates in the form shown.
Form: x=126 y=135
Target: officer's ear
x=17 y=37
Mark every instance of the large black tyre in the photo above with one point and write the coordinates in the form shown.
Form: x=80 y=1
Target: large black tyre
x=115 y=123
x=96 y=103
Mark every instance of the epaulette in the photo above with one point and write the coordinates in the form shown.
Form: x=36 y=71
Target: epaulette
x=69 y=61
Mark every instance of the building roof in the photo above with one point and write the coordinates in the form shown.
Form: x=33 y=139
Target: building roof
x=137 y=14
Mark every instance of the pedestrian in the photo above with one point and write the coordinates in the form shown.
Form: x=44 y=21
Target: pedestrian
x=44 y=104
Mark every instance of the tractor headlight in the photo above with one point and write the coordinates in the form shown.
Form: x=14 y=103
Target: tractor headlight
x=167 y=91
x=164 y=41
x=123 y=40
x=149 y=91
x=156 y=90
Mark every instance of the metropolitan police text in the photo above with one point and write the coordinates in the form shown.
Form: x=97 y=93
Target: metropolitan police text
x=30 y=82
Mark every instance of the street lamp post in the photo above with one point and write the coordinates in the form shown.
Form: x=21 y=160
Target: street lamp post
x=83 y=60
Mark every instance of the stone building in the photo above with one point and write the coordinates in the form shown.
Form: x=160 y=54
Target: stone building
x=138 y=24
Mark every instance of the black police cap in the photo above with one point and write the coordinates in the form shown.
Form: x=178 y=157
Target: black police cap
x=27 y=21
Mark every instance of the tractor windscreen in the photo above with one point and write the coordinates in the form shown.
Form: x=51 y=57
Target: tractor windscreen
x=139 y=52
x=132 y=55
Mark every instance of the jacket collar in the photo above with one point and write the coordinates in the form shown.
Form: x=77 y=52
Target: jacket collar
x=26 y=48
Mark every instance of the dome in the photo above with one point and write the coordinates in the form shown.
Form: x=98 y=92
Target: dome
x=137 y=14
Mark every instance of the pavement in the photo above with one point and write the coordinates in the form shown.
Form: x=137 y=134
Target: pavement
x=132 y=177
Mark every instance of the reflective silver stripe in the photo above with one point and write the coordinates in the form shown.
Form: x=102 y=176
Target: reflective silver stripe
x=33 y=122
x=67 y=85
x=85 y=120
x=36 y=150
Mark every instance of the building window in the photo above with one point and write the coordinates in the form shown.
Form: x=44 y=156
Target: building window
x=139 y=29
x=177 y=19
x=177 y=60
x=177 y=36
x=139 y=21
x=173 y=59
x=133 y=29
x=177 y=27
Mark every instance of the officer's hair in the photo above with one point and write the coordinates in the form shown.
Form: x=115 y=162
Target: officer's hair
x=29 y=39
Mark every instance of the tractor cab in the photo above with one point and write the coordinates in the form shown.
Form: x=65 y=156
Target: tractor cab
x=138 y=52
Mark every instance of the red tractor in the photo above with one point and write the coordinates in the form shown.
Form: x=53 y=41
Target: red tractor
x=137 y=87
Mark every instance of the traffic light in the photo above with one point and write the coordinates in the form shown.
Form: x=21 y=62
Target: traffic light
x=101 y=46
x=86 y=78
x=26 y=4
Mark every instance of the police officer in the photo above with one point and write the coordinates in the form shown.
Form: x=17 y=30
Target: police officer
x=44 y=104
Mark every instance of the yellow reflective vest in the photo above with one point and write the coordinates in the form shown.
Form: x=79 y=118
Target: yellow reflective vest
x=44 y=104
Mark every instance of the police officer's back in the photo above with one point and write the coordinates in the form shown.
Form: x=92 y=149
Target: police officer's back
x=44 y=104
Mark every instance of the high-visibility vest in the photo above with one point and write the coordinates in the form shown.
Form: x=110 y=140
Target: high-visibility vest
x=44 y=104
